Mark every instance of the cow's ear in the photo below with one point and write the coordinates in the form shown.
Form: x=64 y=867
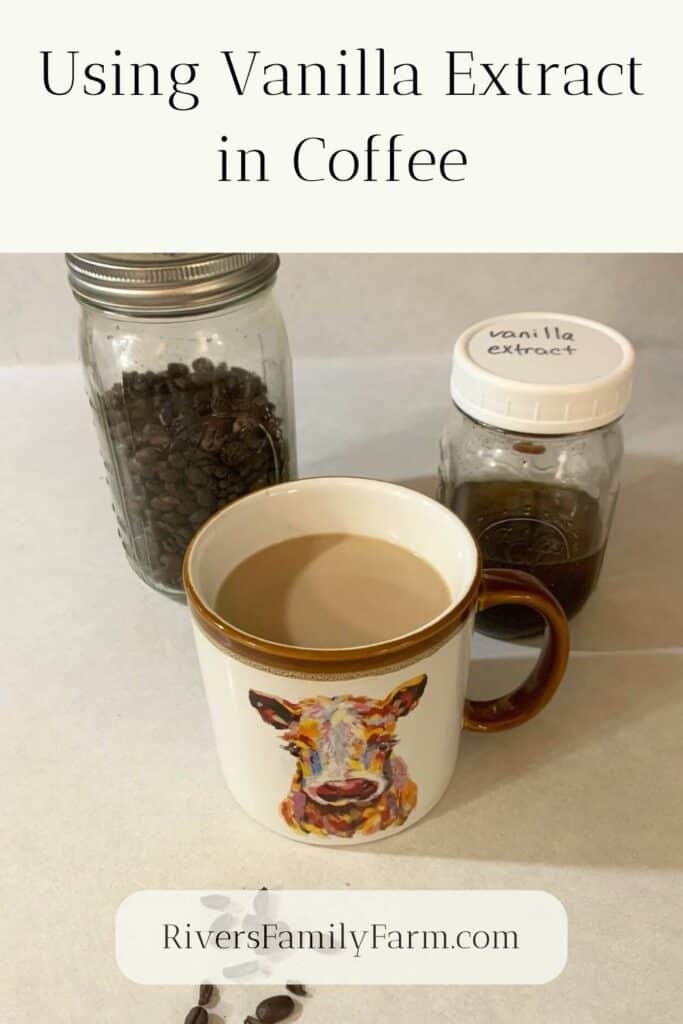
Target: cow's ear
x=276 y=712
x=404 y=698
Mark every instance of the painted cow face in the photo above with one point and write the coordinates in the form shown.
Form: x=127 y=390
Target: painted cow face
x=342 y=745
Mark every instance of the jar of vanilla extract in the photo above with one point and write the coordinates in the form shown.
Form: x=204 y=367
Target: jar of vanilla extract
x=531 y=452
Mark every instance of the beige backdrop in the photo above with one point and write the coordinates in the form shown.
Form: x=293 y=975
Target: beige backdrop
x=349 y=304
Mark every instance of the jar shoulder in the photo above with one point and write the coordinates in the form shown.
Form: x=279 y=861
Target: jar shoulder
x=470 y=450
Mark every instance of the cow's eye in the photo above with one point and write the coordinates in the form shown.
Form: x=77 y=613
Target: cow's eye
x=292 y=748
x=385 y=745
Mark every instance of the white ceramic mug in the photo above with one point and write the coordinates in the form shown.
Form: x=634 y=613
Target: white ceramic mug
x=286 y=719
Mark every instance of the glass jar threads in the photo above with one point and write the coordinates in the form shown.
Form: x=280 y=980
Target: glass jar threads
x=189 y=375
x=531 y=453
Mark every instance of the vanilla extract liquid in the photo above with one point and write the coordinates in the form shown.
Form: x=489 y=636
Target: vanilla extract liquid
x=555 y=533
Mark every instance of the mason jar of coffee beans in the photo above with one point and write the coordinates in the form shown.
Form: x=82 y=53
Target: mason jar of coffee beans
x=189 y=375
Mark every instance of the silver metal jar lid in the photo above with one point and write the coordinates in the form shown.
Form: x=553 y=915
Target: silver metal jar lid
x=167 y=284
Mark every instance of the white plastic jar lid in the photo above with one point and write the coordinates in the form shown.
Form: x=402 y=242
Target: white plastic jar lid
x=542 y=373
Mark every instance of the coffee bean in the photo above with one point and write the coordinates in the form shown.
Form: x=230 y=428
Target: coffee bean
x=274 y=1009
x=201 y=403
x=166 y=413
x=146 y=456
x=205 y=994
x=158 y=438
x=232 y=453
x=197 y=518
x=164 y=503
x=196 y=476
x=203 y=497
x=197 y=1015
x=171 y=519
x=296 y=989
x=178 y=370
x=202 y=365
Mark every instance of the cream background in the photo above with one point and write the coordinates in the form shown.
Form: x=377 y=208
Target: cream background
x=546 y=173
x=342 y=305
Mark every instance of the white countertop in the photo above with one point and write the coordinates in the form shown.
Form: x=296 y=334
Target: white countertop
x=111 y=783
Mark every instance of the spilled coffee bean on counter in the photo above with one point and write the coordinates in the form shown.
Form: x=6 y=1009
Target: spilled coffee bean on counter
x=296 y=989
x=205 y=994
x=186 y=441
x=274 y=1009
x=197 y=1015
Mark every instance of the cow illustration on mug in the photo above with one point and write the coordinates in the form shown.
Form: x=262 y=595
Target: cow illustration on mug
x=348 y=780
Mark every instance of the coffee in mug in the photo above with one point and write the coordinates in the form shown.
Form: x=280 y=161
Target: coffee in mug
x=332 y=590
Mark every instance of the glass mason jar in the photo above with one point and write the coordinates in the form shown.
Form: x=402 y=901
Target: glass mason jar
x=531 y=452
x=189 y=375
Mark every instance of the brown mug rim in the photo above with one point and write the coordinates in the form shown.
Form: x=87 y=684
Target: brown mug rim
x=291 y=659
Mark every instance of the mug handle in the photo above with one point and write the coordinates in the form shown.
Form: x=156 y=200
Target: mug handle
x=508 y=586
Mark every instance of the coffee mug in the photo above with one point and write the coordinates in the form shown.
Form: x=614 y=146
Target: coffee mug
x=381 y=722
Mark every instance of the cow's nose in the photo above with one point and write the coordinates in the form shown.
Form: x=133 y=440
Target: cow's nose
x=347 y=789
